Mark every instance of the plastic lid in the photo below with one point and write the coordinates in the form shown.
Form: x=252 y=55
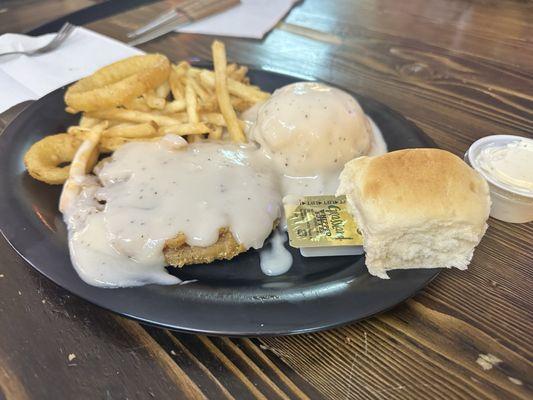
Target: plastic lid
x=496 y=141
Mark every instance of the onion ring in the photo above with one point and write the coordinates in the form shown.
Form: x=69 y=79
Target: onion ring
x=44 y=158
x=118 y=83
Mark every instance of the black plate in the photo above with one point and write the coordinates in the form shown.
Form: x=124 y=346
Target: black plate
x=229 y=298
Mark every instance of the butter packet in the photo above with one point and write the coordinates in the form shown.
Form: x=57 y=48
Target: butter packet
x=321 y=221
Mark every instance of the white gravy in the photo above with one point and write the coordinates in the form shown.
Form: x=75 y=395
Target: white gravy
x=327 y=183
x=276 y=260
x=153 y=192
x=315 y=184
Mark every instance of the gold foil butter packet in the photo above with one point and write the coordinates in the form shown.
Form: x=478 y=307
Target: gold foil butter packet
x=320 y=221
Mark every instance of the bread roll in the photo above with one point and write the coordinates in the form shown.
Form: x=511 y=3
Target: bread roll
x=416 y=208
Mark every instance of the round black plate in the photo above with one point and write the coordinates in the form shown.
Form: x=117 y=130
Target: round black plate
x=228 y=298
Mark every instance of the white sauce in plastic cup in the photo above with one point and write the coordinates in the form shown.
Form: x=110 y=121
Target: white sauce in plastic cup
x=491 y=156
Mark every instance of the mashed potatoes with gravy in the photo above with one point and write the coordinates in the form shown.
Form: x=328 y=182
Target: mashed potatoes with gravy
x=309 y=128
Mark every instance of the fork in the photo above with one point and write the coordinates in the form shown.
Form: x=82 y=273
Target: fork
x=59 y=38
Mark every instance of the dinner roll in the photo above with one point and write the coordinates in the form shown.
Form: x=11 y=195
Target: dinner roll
x=416 y=208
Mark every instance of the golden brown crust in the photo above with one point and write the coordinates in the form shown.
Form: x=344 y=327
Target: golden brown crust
x=414 y=185
x=43 y=159
x=178 y=253
x=118 y=83
x=416 y=208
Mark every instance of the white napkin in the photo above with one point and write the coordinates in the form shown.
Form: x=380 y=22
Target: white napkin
x=250 y=19
x=28 y=78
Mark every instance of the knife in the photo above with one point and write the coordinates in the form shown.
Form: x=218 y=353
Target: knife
x=186 y=13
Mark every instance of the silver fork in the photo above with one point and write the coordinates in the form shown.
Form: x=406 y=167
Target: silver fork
x=59 y=38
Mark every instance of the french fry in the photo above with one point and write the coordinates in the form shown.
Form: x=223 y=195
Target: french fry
x=138 y=104
x=239 y=74
x=176 y=86
x=202 y=94
x=210 y=106
x=113 y=122
x=181 y=68
x=177 y=73
x=86 y=122
x=126 y=130
x=163 y=90
x=179 y=116
x=231 y=69
x=215 y=133
x=84 y=160
x=218 y=119
x=153 y=101
x=192 y=105
x=209 y=89
x=213 y=118
x=110 y=144
x=147 y=129
x=238 y=89
x=175 y=106
x=198 y=128
x=191 y=101
x=221 y=88
x=78 y=131
x=239 y=104
x=134 y=116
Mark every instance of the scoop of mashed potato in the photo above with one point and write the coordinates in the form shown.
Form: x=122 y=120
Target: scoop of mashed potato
x=308 y=128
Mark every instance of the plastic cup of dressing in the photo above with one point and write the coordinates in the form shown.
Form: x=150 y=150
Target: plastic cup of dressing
x=506 y=162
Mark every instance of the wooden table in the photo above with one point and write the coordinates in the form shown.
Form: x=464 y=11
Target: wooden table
x=460 y=70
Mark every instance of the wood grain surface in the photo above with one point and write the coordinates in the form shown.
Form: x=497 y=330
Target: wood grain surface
x=460 y=70
x=22 y=15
